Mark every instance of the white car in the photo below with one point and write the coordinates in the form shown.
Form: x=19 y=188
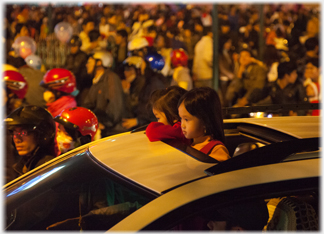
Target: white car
x=127 y=183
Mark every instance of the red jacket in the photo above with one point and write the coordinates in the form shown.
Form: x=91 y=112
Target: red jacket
x=156 y=131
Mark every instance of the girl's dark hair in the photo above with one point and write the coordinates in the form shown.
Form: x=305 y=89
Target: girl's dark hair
x=166 y=101
x=204 y=103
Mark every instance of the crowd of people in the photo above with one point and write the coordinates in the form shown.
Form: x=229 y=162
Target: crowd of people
x=125 y=63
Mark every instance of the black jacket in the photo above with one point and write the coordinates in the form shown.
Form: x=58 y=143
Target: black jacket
x=106 y=99
x=76 y=63
x=38 y=157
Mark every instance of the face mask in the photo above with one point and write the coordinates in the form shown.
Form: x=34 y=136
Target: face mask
x=65 y=142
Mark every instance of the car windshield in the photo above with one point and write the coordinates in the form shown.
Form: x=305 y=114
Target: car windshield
x=70 y=195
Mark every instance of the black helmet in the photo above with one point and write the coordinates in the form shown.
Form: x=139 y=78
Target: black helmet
x=35 y=118
x=75 y=41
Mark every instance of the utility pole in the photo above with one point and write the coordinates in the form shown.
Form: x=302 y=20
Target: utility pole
x=215 y=50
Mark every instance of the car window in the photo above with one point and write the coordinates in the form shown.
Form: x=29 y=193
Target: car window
x=287 y=213
x=75 y=195
x=291 y=205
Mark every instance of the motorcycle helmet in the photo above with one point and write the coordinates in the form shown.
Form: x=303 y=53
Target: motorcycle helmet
x=34 y=61
x=179 y=57
x=59 y=79
x=105 y=57
x=16 y=83
x=78 y=119
x=134 y=61
x=36 y=119
x=137 y=43
x=8 y=67
x=155 y=60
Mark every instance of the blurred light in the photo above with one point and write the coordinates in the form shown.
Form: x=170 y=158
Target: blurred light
x=269 y=116
x=34 y=181
x=257 y=114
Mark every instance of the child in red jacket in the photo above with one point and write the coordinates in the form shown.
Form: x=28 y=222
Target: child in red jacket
x=165 y=108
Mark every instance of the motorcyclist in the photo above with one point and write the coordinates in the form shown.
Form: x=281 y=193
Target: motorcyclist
x=105 y=97
x=61 y=90
x=181 y=73
x=33 y=136
x=77 y=126
x=16 y=87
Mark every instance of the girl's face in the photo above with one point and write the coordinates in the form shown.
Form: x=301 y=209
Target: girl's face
x=191 y=126
x=160 y=116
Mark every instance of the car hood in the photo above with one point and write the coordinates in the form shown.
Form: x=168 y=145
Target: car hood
x=154 y=165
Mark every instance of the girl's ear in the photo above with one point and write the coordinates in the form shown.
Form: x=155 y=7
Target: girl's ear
x=174 y=121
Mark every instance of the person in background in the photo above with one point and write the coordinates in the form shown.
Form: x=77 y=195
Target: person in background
x=137 y=47
x=163 y=46
x=77 y=126
x=226 y=65
x=14 y=91
x=250 y=75
x=33 y=136
x=201 y=116
x=287 y=89
x=190 y=41
x=34 y=75
x=60 y=91
x=96 y=42
x=203 y=60
x=105 y=97
x=21 y=30
x=87 y=26
x=181 y=74
x=121 y=52
x=312 y=82
x=76 y=62
x=155 y=63
x=311 y=47
x=138 y=88
x=271 y=61
x=16 y=87
x=165 y=108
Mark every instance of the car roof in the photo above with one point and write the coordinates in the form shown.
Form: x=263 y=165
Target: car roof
x=154 y=165
x=160 y=167
x=296 y=126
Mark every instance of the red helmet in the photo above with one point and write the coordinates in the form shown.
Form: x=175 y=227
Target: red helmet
x=79 y=118
x=179 y=57
x=59 y=79
x=16 y=83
